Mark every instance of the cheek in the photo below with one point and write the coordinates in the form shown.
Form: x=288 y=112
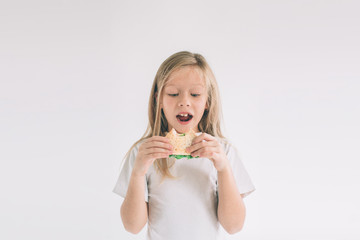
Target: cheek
x=168 y=106
x=167 y=102
x=201 y=103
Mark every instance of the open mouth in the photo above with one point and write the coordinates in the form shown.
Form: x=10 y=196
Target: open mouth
x=184 y=117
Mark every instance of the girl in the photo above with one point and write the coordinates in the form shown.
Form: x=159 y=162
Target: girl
x=184 y=198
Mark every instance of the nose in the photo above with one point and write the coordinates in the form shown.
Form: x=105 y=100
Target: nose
x=184 y=101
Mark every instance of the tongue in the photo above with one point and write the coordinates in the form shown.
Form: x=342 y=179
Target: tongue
x=183 y=118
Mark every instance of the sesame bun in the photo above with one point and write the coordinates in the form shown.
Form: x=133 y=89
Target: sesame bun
x=180 y=141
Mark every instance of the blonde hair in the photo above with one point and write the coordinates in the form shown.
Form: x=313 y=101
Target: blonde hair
x=158 y=126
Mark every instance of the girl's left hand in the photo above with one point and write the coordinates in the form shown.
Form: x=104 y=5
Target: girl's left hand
x=211 y=149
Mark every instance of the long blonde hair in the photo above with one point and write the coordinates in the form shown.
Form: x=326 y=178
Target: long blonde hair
x=158 y=126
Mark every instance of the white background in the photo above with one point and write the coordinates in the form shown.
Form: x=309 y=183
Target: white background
x=75 y=81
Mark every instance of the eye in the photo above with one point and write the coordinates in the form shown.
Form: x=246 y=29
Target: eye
x=173 y=95
x=195 y=95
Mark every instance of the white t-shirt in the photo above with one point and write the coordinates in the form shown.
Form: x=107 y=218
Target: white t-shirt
x=186 y=207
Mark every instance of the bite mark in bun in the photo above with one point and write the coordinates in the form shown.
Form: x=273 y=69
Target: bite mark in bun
x=180 y=141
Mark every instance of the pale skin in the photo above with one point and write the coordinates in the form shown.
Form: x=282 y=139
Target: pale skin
x=184 y=92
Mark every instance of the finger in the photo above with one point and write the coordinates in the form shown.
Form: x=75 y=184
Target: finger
x=208 y=152
x=158 y=139
x=157 y=150
x=202 y=144
x=158 y=144
x=158 y=155
x=203 y=136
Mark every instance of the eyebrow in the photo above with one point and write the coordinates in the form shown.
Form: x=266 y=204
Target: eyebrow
x=172 y=85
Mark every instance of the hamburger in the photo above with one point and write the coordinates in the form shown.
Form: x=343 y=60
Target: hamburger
x=180 y=141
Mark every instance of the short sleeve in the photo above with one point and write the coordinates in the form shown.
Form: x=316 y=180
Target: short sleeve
x=242 y=178
x=123 y=180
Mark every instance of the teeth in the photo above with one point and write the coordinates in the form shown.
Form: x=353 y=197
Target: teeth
x=184 y=115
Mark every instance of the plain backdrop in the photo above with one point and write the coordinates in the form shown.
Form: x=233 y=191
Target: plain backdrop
x=75 y=78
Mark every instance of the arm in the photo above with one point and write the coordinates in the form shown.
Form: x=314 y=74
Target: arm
x=231 y=208
x=134 y=212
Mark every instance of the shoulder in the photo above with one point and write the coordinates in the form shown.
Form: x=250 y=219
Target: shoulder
x=226 y=144
x=135 y=147
x=130 y=156
x=133 y=151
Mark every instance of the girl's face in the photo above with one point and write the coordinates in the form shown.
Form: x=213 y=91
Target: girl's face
x=184 y=99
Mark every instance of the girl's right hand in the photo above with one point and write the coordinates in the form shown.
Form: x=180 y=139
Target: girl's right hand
x=150 y=150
